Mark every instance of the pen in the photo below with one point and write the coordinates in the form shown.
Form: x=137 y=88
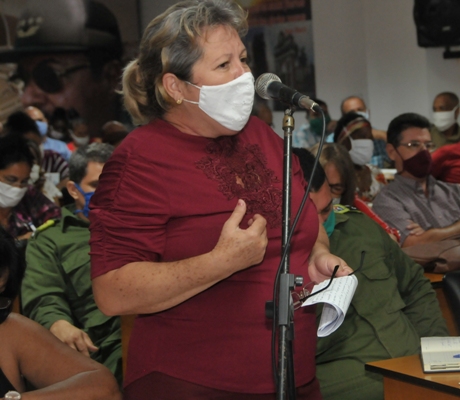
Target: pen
x=444 y=366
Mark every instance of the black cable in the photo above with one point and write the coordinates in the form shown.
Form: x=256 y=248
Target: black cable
x=285 y=252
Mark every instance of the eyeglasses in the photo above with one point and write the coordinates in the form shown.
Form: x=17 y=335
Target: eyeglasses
x=48 y=78
x=417 y=145
x=337 y=188
x=298 y=298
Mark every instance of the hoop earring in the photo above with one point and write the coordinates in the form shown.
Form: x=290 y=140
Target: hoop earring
x=179 y=101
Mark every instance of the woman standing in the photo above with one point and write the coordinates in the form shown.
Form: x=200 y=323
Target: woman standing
x=186 y=220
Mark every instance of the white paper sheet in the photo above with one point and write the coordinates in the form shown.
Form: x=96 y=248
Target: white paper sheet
x=337 y=299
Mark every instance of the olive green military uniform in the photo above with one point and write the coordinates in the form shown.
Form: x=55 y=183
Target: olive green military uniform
x=394 y=305
x=57 y=286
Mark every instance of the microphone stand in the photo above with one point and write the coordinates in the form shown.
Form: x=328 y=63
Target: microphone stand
x=285 y=309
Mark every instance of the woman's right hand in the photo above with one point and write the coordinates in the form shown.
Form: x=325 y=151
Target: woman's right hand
x=242 y=248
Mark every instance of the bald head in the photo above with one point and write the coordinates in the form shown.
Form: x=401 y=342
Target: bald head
x=35 y=114
x=352 y=103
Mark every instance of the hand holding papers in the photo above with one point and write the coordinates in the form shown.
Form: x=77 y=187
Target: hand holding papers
x=337 y=299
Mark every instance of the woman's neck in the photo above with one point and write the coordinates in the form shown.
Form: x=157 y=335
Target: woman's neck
x=5 y=216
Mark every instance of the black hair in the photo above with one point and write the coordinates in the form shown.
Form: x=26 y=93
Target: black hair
x=20 y=123
x=306 y=163
x=11 y=260
x=452 y=97
x=344 y=121
x=403 y=122
x=13 y=150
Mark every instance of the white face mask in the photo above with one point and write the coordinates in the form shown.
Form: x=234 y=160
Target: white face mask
x=364 y=114
x=361 y=151
x=443 y=120
x=229 y=104
x=80 y=141
x=10 y=196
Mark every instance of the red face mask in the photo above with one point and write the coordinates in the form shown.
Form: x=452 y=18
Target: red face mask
x=419 y=165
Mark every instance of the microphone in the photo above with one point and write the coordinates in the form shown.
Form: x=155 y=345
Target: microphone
x=269 y=86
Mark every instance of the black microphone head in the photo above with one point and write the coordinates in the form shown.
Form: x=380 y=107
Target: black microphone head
x=262 y=83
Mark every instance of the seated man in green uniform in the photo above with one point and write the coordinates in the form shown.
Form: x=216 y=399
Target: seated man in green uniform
x=394 y=304
x=56 y=290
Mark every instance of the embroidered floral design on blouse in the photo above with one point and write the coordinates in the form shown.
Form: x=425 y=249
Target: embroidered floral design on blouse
x=241 y=172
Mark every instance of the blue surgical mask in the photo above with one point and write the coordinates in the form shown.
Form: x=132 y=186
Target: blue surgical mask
x=87 y=196
x=329 y=224
x=42 y=127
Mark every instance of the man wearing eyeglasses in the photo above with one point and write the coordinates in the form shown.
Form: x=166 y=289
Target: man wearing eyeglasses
x=393 y=306
x=68 y=54
x=422 y=208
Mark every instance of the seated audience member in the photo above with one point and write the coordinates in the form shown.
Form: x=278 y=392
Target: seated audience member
x=29 y=352
x=60 y=126
x=356 y=104
x=445 y=129
x=355 y=133
x=422 y=208
x=56 y=291
x=79 y=134
x=48 y=142
x=446 y=163
x=38 y=177
x=113 y=133
x=309 y=133
x=393 y=307
x=52 y=162
x=22 y=207
x=339 y=168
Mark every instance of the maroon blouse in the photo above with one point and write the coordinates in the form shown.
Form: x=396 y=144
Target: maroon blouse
x=165 y=195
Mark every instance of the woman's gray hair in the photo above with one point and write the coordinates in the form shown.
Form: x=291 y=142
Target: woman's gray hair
x=78 y=163
x=170 y=44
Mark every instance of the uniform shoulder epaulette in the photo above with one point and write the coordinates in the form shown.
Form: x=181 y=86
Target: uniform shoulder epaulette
x=45 y=226
x=341 y=209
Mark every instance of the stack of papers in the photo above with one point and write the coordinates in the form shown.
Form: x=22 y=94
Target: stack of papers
x=337 y=299
x=441 y=354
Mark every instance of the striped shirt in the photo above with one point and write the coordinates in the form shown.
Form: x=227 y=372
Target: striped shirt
x=54 y=162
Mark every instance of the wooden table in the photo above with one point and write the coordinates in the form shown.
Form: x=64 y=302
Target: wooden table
x=404 y=379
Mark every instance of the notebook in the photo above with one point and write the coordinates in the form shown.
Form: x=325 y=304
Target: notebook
x=440 y=354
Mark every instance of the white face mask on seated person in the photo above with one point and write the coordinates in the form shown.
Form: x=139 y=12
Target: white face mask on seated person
x=364 y=114
x=80 y=141
x=361 y=151
x=443 y=120
x=10 y=196
x=229 y=104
